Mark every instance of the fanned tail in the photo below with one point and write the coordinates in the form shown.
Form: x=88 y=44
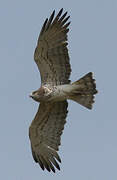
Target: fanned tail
x=83 y=91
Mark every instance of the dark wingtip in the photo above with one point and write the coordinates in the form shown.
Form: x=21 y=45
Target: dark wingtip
x=66 y=25
x=53 y=13
x=59 y=159
x=42 y=167
x=58 y=167
x=48 y=168
x=45 y=21
x=61 y=10
x=53 y=170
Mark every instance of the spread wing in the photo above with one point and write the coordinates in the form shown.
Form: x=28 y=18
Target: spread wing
x=45 y=134
x=51 y=53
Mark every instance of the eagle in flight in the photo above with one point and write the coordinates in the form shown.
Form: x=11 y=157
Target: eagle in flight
x=52 y=58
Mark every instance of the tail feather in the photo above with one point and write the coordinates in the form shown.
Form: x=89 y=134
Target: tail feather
x=86 y=100
x=83 y=91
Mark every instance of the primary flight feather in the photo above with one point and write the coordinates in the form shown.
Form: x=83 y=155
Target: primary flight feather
x=52 y=58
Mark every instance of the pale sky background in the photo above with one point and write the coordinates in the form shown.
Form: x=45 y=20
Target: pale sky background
x=89 y=141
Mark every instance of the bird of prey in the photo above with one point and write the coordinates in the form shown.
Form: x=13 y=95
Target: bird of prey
x=52 y=58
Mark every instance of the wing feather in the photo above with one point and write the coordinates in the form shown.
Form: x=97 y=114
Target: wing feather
x=45 y=134
x=51 y=54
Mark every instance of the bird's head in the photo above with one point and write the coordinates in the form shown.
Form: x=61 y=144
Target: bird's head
x=40 y=95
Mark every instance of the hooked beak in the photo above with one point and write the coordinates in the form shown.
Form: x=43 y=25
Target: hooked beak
x=30 y=95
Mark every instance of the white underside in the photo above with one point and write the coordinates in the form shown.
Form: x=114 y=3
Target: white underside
x=61 y=92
